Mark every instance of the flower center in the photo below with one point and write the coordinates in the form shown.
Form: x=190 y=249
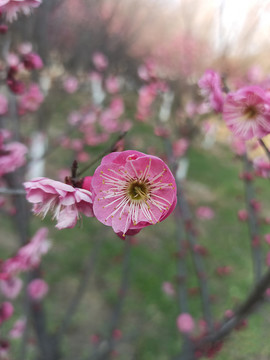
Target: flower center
x=138 y=190
x=251 y=112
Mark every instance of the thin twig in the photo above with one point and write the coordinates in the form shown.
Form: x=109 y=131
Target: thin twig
x=6 y=191
x=197 y=258
x=253 y=300
x=110 y=149
x=105 y=353
x=253 y=222
x=267 y=151
x=82 y=287
x=185 y=213
x=187 y=352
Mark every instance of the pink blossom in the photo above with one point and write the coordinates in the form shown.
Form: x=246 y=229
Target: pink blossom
x=185 y=323
x=31 y=100
x=32 y=61
x=229 y=313
x=262 y=167
x=12 y=58
x=267 y=238
x=148 y=70
x=117 y=334
x=65 y=201
x=191 y=109
x=3 y=105
x=146 y=97
x=95 y=339
x=168 y=288
x=132 y=190
x=112 y=84
x=3 y=29
x=100 y=61
x=205 y=213
x=76 y=144
x=117 y=106
x=6 y=311
x=28 y=256
x=83 y=157
x=4 y=349
x=12 y=156
x=247 y=112
x=210 y=84
x=223 y=270
x=238 y=146
x=109 y=121
x=18 y=328
x=37 y=289
x=74 y=118
x=180 y=147
x=242 y=215
x=25 y=48
x=71 y=84
x=11 y=287
x=12 y=7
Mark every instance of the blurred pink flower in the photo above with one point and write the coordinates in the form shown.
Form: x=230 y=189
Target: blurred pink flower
x=71 y=84
x=12 y=7
x=247 y=112
x=18 y=328
x=117 y=334
x=37 y=289
x=147 y=95
x=6 y=311
x=267 y=238
x=12 y=59
x=205 y=213
x=31 y=100
x=185 y=323
x=11 y=287
x=210 y=84
x=83 y=157
x=28 y=256
x=132 y=190
x=3 y=105
x=242 y=215
x=12 y=156
x=100 y=61
x=109 y=121
x=32 y=61
x=229 y=313
x=223 y=270
x=168 y=288
x=74 y=118
x=25 y=48
x=238 y=146
x=262 y=167
x=117 y=106
x=180 y=147
x=64 y=201
x=148 y=70
x=112 y=84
